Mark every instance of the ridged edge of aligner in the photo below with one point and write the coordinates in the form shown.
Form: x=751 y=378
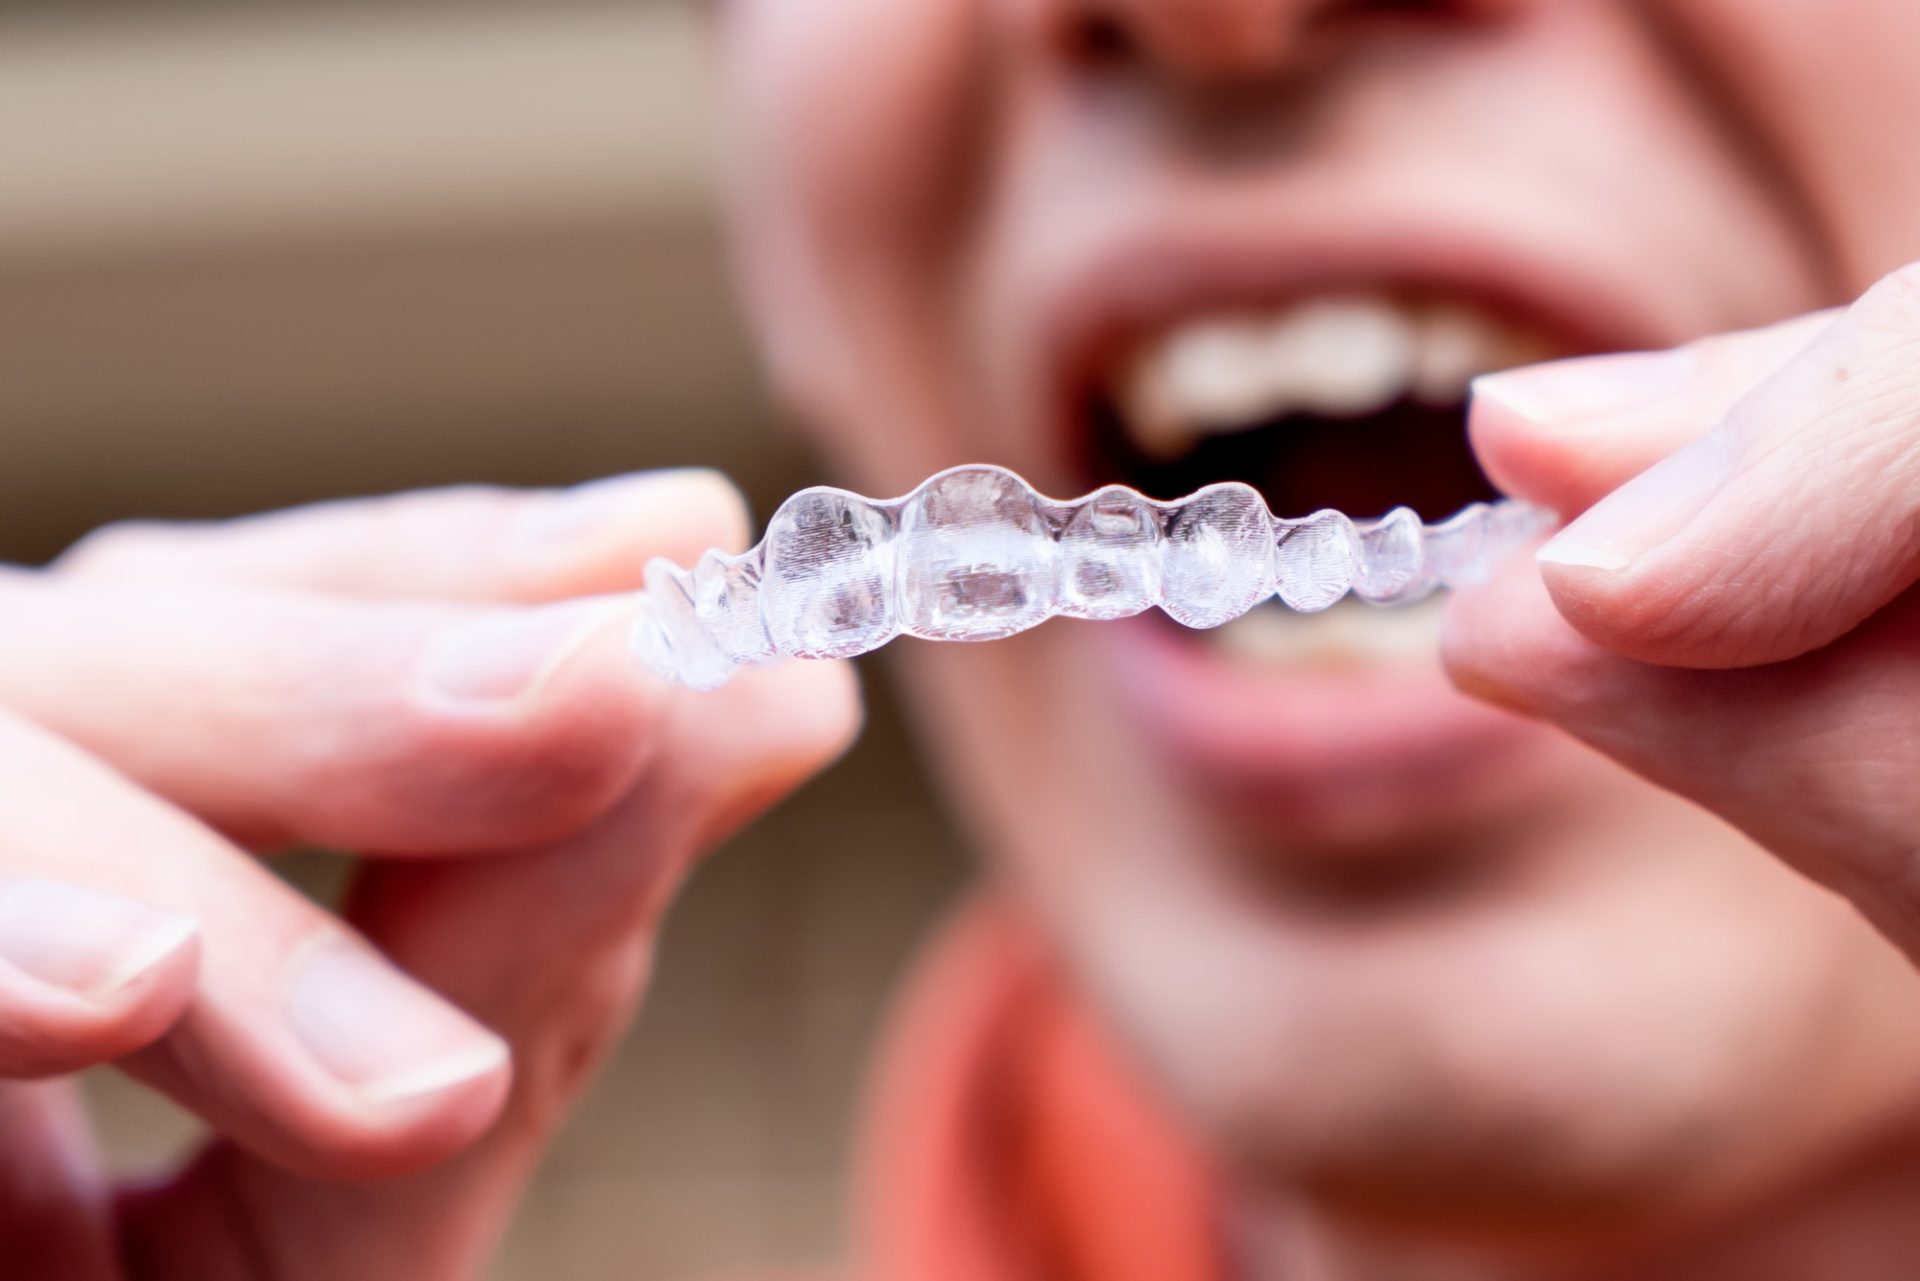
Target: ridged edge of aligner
x=696 y=626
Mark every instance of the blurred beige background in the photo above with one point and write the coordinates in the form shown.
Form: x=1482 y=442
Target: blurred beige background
x=256 y=254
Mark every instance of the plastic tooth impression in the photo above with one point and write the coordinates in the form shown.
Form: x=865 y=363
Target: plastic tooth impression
x=976 y=554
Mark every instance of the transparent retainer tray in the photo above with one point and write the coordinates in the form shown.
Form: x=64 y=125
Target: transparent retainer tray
x=976 y=554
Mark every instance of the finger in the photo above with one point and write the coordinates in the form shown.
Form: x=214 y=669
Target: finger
x=1813 y=757
x=296 y=1038
x=1566 y=433
x=1782 y=528
x=466 y=543
x=86 y=975
x=277 y=717
x=550 y=946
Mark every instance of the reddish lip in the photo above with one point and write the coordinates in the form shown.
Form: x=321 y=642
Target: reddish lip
x=1356 y=758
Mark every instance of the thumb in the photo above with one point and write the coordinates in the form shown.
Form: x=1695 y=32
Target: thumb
x=1792 y=520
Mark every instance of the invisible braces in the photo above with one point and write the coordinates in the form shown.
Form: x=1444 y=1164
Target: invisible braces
x=975 y=553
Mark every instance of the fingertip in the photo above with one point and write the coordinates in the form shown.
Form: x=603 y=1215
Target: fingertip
x=339 y=1065
x=442 y=1124
x=341 y=1135
x=1508 y=446
x=813 y=708
x=597 y=537
x=1584 y=388
x=51 y=1028
x=1554 y=445
x=407 y=1124
x=747 y=744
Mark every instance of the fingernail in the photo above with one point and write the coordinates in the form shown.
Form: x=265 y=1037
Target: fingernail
x=503 y=656
x=1645 y=512
x=377 y=1031
x=85 y=941
x=561 y=522
x=1588 y=386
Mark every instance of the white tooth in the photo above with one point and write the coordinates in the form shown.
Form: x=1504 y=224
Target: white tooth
x=1458 y=343
x=1342 y=357
x=1350 y=634
x=1152 y=419
x=1217 y=373
x=1453 y=348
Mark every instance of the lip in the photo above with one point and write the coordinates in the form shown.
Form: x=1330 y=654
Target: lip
x=1111 y=296
x=1359 y=756
x=1365 y=756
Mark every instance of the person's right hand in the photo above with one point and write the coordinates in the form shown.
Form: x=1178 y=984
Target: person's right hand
x=392 y=677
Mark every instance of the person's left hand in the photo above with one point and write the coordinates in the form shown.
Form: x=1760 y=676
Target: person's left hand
x=1733 y=614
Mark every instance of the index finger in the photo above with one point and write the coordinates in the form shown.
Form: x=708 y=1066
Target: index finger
x=1566 y=433
x=293 y=717
x=1784 y=527
x=470 y=542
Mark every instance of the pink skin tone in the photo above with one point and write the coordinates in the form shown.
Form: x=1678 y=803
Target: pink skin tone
x=1454 y=995
x=392 y=676
x=1552 y=1013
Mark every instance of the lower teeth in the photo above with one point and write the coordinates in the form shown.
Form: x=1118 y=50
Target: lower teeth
x=1351 y=634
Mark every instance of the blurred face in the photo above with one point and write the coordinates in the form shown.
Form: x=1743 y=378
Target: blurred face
x=1390 y=949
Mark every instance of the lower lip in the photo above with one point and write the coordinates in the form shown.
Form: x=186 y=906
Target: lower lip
x=1321 y=753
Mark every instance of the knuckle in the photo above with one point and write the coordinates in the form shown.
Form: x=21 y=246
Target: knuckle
x=1904 y=283
x=408 y=513
x=553 y=781
x=112 y=548
x=578 y=1028
x=1891 y=307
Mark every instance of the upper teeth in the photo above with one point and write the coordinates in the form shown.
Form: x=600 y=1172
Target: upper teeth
x=1340 y=357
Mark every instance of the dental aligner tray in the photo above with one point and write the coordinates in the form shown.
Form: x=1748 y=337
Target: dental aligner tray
x=976 y=554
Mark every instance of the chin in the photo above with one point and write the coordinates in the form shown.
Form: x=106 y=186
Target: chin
x=1326 y=363
x=1602 y=1007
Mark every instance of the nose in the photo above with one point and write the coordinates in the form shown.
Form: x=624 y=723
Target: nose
x=1224 y=39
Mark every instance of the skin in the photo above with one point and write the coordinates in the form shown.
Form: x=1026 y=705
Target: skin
x=1542 y=1012
x=1550 y=1020
x=387 y=676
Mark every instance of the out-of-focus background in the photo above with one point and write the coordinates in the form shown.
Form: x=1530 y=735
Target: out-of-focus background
x=260 y=254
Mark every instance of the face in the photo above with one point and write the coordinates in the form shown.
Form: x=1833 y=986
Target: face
x=1381 y=944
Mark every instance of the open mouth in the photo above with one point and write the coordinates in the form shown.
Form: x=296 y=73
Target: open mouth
x=1350 y=400
x=1355 y=402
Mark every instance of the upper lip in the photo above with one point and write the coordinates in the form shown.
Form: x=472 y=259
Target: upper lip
x=1109 y=296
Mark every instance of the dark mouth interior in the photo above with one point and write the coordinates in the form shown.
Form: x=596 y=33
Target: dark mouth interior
x=1409 y=454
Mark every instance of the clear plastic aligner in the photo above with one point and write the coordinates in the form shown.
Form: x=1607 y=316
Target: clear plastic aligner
x=975 y=554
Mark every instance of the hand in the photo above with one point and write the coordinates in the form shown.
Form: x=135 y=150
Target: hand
x=384 y=676
x=1734 y=615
